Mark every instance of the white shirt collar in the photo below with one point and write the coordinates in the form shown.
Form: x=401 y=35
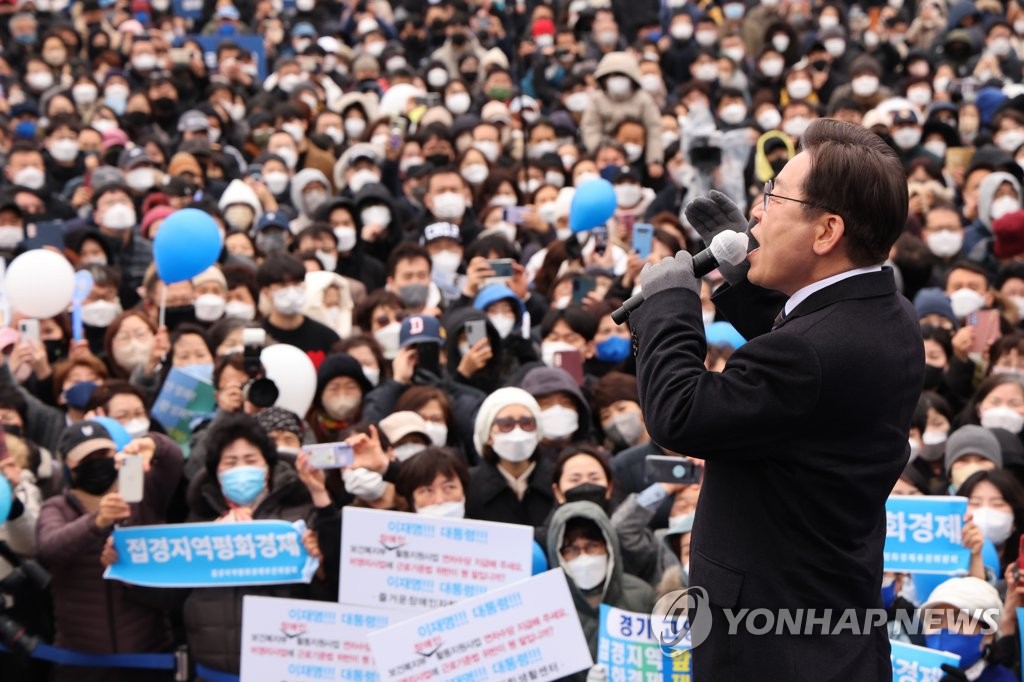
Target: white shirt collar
x=802 y=295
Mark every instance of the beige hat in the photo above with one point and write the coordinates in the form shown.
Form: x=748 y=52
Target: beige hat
x=967 y=594
x=398 y=425
x=210 y=274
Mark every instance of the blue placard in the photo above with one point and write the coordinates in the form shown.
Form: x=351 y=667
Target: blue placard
x=189 y=9
x=912 y=663
x=923 y=535
x=627 y=646
x=252 y=44
x=1020 y=632
x=212 y=554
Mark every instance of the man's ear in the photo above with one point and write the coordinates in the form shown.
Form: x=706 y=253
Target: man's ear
x=827 y=234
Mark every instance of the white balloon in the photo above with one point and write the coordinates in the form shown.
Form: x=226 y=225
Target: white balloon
x=40 y=283
x=295 y=376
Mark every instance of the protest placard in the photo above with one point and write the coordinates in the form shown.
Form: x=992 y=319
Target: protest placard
x=525 y=631
x=923 y=535
x=912 y=663
x=628 y=646
x=184 y=398
x=297 y=639
x=408 y=561
x=212 y=554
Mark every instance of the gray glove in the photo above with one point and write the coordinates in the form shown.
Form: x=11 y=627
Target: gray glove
x=675 y=272
x=712 y=215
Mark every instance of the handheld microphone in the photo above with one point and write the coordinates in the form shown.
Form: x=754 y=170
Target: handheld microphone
x=727 y=247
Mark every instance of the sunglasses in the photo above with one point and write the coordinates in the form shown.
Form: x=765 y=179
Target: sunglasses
x=506 y=424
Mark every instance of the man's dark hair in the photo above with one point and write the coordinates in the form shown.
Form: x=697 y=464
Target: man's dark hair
x=11 y=399
x=405 y=251
x=281 y=268
x=874 y=208
x=578 y=319
x=364 y=310
x=970 y=266
x=106 y=391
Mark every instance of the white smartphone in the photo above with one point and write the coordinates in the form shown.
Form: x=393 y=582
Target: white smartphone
x=29 y=330
x=130 y=478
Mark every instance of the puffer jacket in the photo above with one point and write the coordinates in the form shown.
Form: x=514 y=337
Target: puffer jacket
x=604 y=112
x=213 y=615
x=96 y=615
x=619 y=589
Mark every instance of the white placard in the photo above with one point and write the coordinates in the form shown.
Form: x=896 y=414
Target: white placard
x=526 y=631
x=294 y=640
x=407 y=561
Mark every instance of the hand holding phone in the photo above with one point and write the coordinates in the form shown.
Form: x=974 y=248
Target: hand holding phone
x=643 y=239
x=330 y=455
x=675 y=470
x=476 y=331
x=29 y=330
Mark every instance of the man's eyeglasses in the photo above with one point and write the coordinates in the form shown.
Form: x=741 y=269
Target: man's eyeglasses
x=506 y=424
x=768 y=194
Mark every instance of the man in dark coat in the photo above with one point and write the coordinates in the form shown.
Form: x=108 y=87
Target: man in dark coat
x=805 y=431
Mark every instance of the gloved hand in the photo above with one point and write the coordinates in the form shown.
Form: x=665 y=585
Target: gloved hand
x=952 y=674
x=598 y=673
x=365 y=484
x=674 y=272
x=712 y=215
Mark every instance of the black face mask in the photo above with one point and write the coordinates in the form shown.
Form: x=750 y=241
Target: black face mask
x=932 y=377
x=439 y=160
x=165 y=108
x=588 y=492
x=94 y=476
x=136 y=119
x=777 y=165
x=469 y=76
x=180 y=314
x=54 y=350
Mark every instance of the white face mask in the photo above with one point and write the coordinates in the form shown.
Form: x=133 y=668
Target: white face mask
x=408 y=451
x=772 y=67
x=342 y=406
x=388 y=338
x=769 y=119
x=288 y=155
x=438 y=434
x=628 y=194
x=137 y=428
x=799 y=88
x=780 y=42
x=681 y=30
x=618 y=86
x=1010 y=140
x=444 y=510
x=449 y=206
x=864 y=86
x=559 y=422
x=629 y=426
x=733 y=114
x=1002 y=206
x=959 y=474
x=475 y=174
x=1002 y=418
x=446 y=263
x=516 y=445
x=372 y=375
x=944 y=243
x=937 y=148
x=995 y=524
x=795 y=127
x=39 y=80
x=140 y=179
x=362 y=178
x=209 y=307
x=277 y=181
x=588 y=571
x=84 y=93
x=457 y=102
x=131 y=355
x=30 y=177
x=489 y=148
x=503 y=324
x=633 y=151
x=376 y=215
x=64 y=150
x=240 y=310
x=907 y=137
x=549 y=348
x=346 y=238
x=327 y=259
x=119 y=217
x=437 y=78
x=577 y=102
x=966 y=301
x=11 y=236
x=100 y=313
x=289 y=300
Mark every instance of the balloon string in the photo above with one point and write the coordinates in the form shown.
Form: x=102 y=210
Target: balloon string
x=163 y=305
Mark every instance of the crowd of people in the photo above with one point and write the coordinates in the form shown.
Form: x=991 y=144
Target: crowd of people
x=393 y=182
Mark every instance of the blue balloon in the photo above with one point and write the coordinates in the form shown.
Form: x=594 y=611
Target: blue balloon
x=592 y=205
x=188 y=242
x=116 y=431
x=6 y=497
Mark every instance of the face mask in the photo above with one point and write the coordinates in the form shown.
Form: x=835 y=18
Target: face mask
x=39 y=80
x=437 y=78
x=907 y=137
x=995 y=524
x=633 y=151
x=539 y=149
x=408 y=451
x=945 y=243
x=457 y=102
x=475 y=174
x=706 y=72
x=362 y=178
x=64 y=150
x=628 y=426
x=966 y=301
x=444 y=510
x=958 y=475
x=130 y=356
x=627 y=194
x=10 y=236
x=864 y=86
x=289 y=300
x=388 y=338
x=936 y=148
x=413 y=296
x=30 y=177
x=588 y=571
x=288 y=155
x=342 y=407
x=243 y=484
x=354 y=127
x=209 y=307
x=446 y=263
x=577 y=102
x=920 y=96
x=313 y=199
x=681 y=31
x=530 y=186
x=372 y=375
x=1002 y=206
x=346 y=238
x=618 y=86
x=651 y=82
x=376 y=215
x=588 y=492
x=269 y=241
x=449 y=206
x=137 y=428
x=799 y=88
x=84 y=93
x=289 y=82
x=1002 y=418
x=549 y=348
x=238 y=217
x=915 y=449
x=239 y=310
x=438 y=434
x=144 y=62
x=967 y=647
x=769 y=119
x=140 y=179
x=559 y=422
x=780 y=42
x=614 y=349
x=516 y=445
x=277 y=181
x=506 y=230
x=733 y=114
x=835 y=47
x=795 y=127
x=95 y=475
x=100 y=313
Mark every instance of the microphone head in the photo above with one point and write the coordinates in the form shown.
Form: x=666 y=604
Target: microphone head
x=729 y=247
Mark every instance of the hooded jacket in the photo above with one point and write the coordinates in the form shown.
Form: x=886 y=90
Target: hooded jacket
x=339 y=318
x=619 y=589
x=543 y=381
x=978 y=235
x=604 y=113
x=238 y=192
x=299 y=184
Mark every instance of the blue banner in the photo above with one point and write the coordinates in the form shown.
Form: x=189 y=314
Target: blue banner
x=918 y=664
x=252 y=44
x=189 y=9
x=185 y=398
x=923 y=535
x=212 y=554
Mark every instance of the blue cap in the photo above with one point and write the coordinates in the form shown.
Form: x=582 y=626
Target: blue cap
x=723 y=334
x=272 y=219
x=228 y=12
x=303 y=28
x=494 y=293
x=420 y=329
